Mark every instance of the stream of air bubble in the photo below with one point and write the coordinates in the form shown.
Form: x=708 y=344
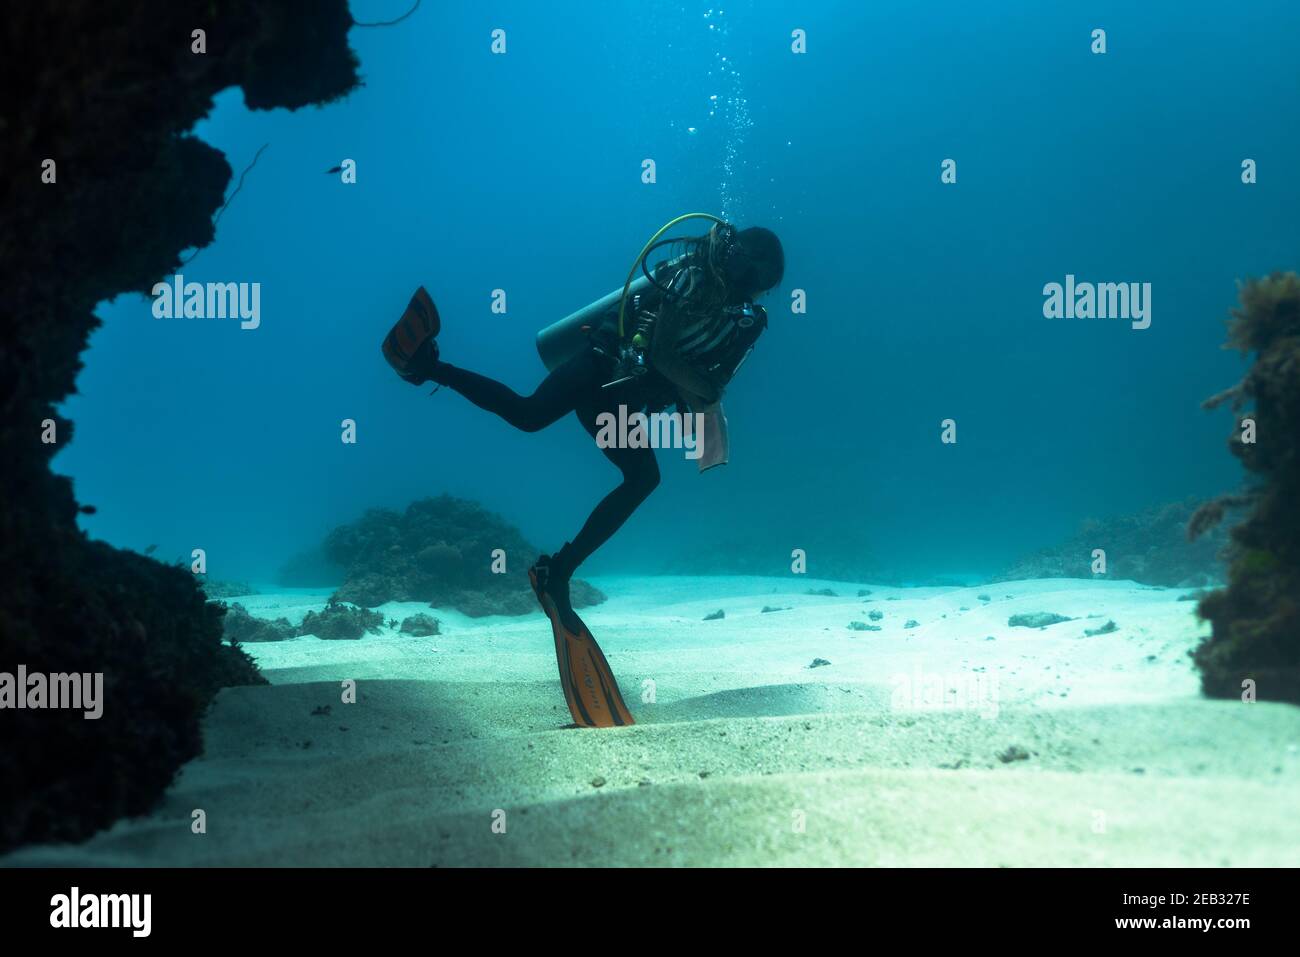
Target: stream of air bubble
x=728 y=104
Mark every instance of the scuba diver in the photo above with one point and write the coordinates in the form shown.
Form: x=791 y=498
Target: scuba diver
x=673 y=337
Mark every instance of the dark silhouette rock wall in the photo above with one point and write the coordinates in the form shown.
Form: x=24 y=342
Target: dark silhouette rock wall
x=108 y=92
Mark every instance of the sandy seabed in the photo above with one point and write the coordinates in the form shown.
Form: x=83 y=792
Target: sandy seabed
x=958 y=741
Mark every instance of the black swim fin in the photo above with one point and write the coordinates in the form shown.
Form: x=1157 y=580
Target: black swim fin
x=590 y=688
x=411 y=346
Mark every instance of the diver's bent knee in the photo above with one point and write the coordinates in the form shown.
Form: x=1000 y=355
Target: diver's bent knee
x=530 y=420
x=643 y=483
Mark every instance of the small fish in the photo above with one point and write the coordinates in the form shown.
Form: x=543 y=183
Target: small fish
x=336 y=169
x=87 y=509
x=151 y=549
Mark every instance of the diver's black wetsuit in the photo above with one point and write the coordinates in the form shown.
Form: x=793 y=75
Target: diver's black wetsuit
x=575 y=386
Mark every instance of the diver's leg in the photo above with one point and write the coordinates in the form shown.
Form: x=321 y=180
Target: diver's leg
x=640 y=478
x=556 y=396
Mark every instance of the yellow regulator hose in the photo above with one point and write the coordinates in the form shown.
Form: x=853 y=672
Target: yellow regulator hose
x=622 y=303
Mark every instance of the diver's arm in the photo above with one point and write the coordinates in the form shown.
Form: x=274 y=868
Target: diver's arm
x=705 y=387
x=697 y=388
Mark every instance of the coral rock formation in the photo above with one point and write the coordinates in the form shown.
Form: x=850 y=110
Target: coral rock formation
x=420 y=626
x=108 y=93
x=1256 y=620
x=240 y=626
x=440 y=551
x=1149 y=546
x=340 y=621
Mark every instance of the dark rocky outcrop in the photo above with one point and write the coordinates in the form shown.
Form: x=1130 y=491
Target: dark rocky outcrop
x=336 y=621
x=339 y=621
x=421 y=626
x=1255 y=621
x=1149 y=546
x=440 y=551
x=108 y=92
x=148 y=629
x=241 y=626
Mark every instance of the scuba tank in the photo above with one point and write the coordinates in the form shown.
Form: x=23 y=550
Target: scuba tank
x=561 y=341
x=603 y=323
x=595 y=326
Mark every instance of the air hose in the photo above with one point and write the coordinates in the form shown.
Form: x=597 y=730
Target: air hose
x=622 y=302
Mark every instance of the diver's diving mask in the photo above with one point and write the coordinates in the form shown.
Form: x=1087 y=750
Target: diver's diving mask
x=722 y=247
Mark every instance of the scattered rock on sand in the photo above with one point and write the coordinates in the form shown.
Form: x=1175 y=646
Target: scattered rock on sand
x=823 y=592
x=1013 y=753
x=911 y=623
x=340 y=621
x=819 y=663
x=1105 y=629
x=421 y=626
x=863 y=626
x=768 y=609
x=1038 y=619
x=716 y=616
x=983 y=597
x=876 y=615
x=240 y=626
x=864 y=592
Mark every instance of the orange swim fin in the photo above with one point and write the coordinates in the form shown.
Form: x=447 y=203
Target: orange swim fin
x=419 y=323
x=590 y=688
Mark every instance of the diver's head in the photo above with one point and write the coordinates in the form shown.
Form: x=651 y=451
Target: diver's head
x=750 y=261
